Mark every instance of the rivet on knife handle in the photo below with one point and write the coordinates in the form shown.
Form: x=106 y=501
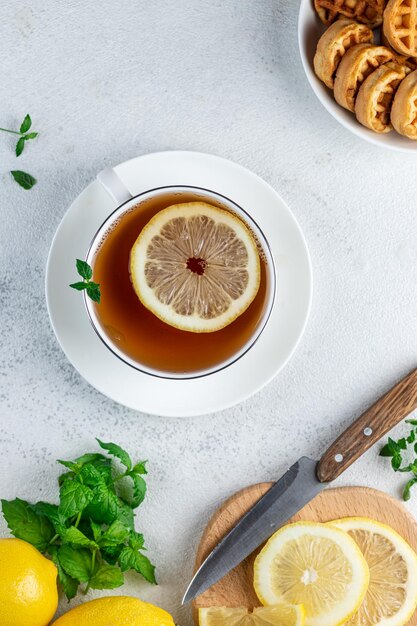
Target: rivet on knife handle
x=386 y=413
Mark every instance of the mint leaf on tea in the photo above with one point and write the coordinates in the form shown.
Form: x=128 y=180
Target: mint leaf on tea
x=86 y=272
x=79 y=286
x=93 y=292
x=84 y=269
x=25 y=180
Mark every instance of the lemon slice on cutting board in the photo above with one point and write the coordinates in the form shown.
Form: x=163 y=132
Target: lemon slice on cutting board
x=392 y=593
x=279 y=615
x=315 y=565
x=195 y=266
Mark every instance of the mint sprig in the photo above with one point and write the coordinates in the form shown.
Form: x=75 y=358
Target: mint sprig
x=25 y=180
x=399 y=453
x=90 y=535
x=92 y=288
x=23 y=134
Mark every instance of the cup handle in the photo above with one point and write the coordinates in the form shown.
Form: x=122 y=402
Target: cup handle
x=114 y=186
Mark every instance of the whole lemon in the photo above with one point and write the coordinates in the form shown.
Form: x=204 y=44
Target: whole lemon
x=28 y=589
x=115 y=611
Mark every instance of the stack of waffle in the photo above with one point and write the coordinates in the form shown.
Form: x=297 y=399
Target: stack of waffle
x=376 y=82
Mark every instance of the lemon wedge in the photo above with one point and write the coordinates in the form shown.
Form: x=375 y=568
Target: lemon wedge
x=392 y=594
x=280 y=615
x=315 y=565
x=195 y=266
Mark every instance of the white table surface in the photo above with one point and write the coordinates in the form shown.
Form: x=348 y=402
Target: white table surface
x=105 y=82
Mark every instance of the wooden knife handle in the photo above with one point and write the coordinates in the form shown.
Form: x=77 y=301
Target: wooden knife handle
x=386 y=413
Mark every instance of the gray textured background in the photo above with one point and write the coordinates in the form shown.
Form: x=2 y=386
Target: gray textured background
x=105 y=82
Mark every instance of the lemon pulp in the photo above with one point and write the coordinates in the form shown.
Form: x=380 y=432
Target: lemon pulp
x=392 y=593
x=324 y=571
x=195 y=266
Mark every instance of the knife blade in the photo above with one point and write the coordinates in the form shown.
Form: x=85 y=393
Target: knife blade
x=287 y=496
x=302 y=482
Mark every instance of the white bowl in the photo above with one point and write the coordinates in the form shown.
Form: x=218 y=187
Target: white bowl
x=310 y=30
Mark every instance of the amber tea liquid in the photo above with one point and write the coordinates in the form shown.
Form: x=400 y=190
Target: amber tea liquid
x=139 y=333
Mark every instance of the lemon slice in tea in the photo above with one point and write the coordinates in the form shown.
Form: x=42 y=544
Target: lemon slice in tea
x=195 y=266
x=315 y=565
x=391 y=598
x=279 y=615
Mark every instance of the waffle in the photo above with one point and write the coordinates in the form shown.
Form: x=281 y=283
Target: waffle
x=404 y=107
x=358 y=62
x=410 y=62
x=375 y=97
x=334 y=43
x=367 y=12
x=400 y=26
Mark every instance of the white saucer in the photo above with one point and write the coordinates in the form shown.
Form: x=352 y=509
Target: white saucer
x=217 y=391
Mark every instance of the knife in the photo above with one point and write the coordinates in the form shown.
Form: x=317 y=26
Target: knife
x=302 y=482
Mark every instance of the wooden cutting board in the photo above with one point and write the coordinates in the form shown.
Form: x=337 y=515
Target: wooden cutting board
x=236 y=589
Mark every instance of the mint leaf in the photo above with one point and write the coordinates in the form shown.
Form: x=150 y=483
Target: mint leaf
x=93 y=292
x=52 y=512
x=74 y=536
x=140 y=468
x=412 y=422
x=25 y=180
x=20 y=146
x=74 y=497
x=25 y=524
x=107 y=577
x=26 y=124
x=69 y=585
x=126 y=515
x=104 y=505
x=104 y=467
x=386 y=450
x=115 y=534
x=90 y=475
x=139 y=490
x=71 y=465
x=30 y=136
x=96 y=528
x=407 y=488
x=136 y=541
x=111 y=553
x=131 y=559
x=396 y=461
x=78 y=287
x=118 y=452
x=84 y=269
x=91 y=457
x=75 y=562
